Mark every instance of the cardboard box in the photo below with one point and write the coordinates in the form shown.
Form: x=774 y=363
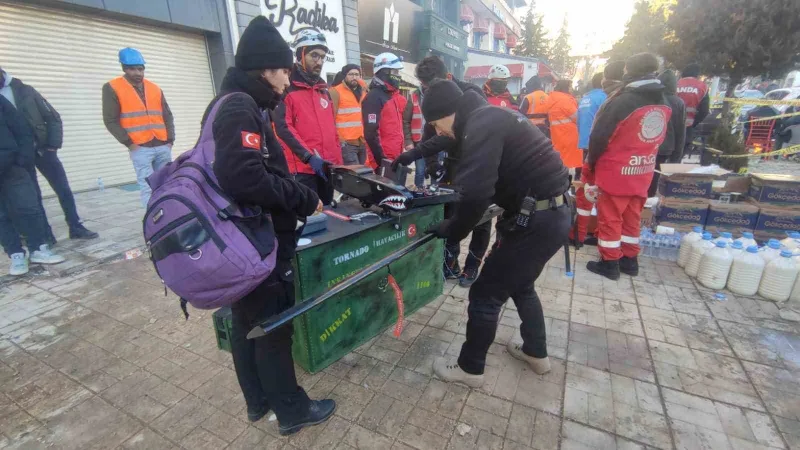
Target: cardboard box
x=731 y=217
x=682 y=214
x=774 y=222
x=676 y=181
x=733 y=183
x=647 y=218
x=778 y=190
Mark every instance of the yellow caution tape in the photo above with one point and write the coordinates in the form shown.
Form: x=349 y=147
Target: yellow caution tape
x=782 y=152
x=759 y=119
x=761 y=102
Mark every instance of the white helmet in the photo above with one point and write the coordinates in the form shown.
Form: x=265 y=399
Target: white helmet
x=499 y=71
x=387 y=61
x=309 y=38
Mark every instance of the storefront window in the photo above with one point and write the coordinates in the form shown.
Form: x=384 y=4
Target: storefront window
x=476 y=40
x=499 y=46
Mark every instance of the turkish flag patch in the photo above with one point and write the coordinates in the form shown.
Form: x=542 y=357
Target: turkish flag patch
x=251 y=140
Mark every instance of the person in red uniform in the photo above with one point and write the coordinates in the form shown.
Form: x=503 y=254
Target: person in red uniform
x=382 y=109
x=496 y=88
x=305 y=120
x=694 y=94
x=623 y=147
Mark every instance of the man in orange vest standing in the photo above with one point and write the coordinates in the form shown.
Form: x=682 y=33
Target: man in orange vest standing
x=413 y=124
x=562 y=110
x=136 y=113
x=532 y=104
x=694 y=94
x=347 y=97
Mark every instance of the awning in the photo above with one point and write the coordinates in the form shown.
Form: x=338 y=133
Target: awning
x=476 y=72
x=545 y=71
x=499 y=31
x=511 y=41
x=481 y=25
x=467 y=15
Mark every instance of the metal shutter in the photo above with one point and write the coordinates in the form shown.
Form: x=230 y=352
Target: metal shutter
x=68 y=57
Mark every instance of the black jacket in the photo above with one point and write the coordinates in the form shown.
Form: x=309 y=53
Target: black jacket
x=16 y=138
x=673 y=144
x=619 y=106
x=254 y=177
x=48 y=131
x=502 y=159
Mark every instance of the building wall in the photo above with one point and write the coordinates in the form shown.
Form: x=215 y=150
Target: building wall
x=475 y=58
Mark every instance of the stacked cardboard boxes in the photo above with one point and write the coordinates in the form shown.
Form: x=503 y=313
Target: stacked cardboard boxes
x=685 y=197
x=778 y=200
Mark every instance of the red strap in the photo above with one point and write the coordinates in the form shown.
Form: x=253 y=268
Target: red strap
x=398 y=296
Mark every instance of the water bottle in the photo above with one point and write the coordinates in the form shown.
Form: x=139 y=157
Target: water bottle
x=778 y=279
x=656 y=251
x=100 y=186
x=686 y=245
x=747 y=239
x=645 y=243
x=725 y=237
x=676 y=244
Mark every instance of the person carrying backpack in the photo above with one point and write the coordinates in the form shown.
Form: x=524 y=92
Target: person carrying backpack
x=251 y=168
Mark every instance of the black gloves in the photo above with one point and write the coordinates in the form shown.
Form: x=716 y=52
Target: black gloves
x=406 y=158
x=439 y=229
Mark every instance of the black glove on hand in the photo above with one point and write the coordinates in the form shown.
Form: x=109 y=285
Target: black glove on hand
x=318 y=165
x=406 y=158
x=438 y=229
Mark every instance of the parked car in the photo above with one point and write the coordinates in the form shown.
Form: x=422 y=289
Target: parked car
x=748 y=93
x=783 y=94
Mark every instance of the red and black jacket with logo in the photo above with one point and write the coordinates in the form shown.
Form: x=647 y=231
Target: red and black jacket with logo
x=382 y=112
x=305 y=123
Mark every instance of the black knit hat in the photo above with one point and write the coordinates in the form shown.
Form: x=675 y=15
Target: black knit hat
x=441 y=100
x=262 y=47
x=641 y=64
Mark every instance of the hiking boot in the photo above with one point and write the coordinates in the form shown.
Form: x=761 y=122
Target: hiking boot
x=318 y=411
x=629 y=266
x=255 y=414
x=608 y=269
x=539 y=365
x=80 y=232
x=452 y=270
x=45 y=256
x=449 y=370
x=468 y=276
x=19 y=264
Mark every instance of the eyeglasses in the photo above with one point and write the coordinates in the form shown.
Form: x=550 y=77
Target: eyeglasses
x=316 y=57
x=354 y=74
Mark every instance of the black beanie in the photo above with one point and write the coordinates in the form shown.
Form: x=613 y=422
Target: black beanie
x=641 y=64
x=441 y=100
x=262 y=47
x=346 y=69
x=614 y=70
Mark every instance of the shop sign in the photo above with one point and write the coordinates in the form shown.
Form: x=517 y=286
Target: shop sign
x=293 y=16
x=400 y=24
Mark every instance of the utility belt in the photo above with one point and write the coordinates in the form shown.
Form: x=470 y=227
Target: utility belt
x=529 y=207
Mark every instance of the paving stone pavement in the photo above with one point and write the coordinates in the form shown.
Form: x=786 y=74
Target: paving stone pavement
x=102 y=360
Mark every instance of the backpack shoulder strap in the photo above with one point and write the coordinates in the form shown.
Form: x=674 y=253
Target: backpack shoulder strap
x=208 y=128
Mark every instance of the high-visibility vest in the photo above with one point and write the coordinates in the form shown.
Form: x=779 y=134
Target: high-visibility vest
x=416 y=118
x=535 y=112
x=691 y=91
x=142 y=121
x=348 y=116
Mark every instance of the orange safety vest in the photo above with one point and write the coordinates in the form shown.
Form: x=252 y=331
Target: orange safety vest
x=348 y=116
x=143 y=121
x=416 y=118
x=563 y=111
x=535 y=112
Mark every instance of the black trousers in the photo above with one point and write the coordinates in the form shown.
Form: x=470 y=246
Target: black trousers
x=324 y=189
x=20 y=212
x=478 y=245
x=514 y=264
x=660 y=159
x=264 y=366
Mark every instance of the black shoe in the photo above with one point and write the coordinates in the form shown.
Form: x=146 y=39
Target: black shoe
x=452 y=270
x=590 y=241
x=318 y=411
x=80 y=232
x=629 y=266
x=608 y=269
x=468 y=276
x=255 y=414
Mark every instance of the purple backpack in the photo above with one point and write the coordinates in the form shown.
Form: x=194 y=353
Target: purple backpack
x=207 y=249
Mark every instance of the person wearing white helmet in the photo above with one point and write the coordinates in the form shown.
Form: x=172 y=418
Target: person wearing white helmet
x=496 y=88
x=382 y=110
x=305 y=120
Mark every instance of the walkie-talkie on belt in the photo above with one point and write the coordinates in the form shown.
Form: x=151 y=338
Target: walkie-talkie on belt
x=526 y=211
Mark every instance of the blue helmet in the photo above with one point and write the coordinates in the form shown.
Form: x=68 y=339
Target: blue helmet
x=131 y=57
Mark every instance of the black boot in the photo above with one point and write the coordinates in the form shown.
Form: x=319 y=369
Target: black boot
x=590 y=240
x=255 y=414
x=80 y=232
x=468 y=276
x=608 y=269
x=629 y=266
x=318 y=411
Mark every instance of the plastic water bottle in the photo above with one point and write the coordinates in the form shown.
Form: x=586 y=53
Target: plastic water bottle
x=747 y=239
x=100 y=186
x=657 y=242
x=645 y=243
x=746 y=272
x=715 y=266
x=736 y=248
x=725 y=237
x=686 y=245
x=779 y=277
x=771 y=251
x=792 y=241
x=698 y=249
x=675 y=247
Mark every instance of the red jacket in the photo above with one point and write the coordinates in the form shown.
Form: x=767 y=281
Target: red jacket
x=506 y=100
x=305 y=123
x=691 y=91
x=382 y=112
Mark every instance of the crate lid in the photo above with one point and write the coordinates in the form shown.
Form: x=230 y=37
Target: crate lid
x=775 y=178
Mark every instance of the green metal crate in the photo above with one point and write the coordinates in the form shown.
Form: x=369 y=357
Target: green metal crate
x=222 y=327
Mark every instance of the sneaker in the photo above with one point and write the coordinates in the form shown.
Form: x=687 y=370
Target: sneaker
x=448 y=370
x=19 y=264
x=452 y=270
x=318 y=411
x=80 y=232
x=629 y=266
x=539 y=365
x=608 y=269
x=468 y=276
x=45 y=256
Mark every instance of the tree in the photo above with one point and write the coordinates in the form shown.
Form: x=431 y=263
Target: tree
x=646 y=31
x=560 y=60
x=534 y=41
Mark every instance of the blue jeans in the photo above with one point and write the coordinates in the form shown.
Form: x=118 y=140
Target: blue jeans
x=19 y=204
x=147 y=160
x=419 y=172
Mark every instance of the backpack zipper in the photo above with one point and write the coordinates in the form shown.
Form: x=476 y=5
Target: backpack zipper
x=170 y=226
x=214 y=236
